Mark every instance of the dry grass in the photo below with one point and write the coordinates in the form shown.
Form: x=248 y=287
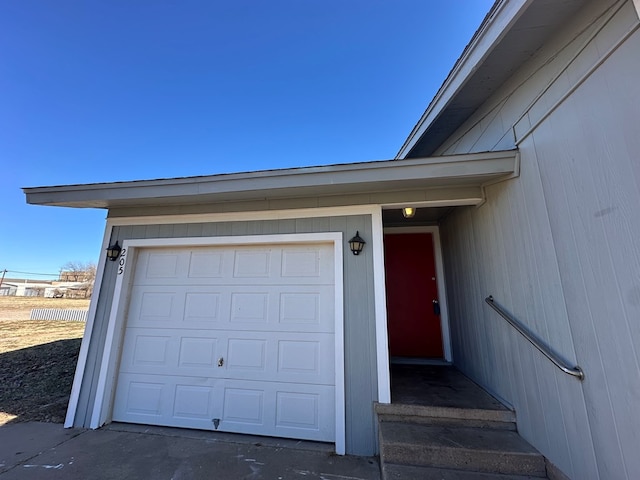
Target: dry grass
x=19 y=308
x=37 y=359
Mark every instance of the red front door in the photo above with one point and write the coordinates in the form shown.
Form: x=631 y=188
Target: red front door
x=413 y=322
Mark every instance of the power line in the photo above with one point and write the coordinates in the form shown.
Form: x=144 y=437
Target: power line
x=31 y=273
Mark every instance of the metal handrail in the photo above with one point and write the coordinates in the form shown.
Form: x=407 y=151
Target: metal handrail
x=536 y=342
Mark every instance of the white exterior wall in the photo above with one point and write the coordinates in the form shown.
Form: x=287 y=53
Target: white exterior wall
x=558 y=246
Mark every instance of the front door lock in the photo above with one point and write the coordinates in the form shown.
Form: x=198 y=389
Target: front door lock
x=220 y=361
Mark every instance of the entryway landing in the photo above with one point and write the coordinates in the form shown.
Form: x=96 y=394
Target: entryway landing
x=438 y=386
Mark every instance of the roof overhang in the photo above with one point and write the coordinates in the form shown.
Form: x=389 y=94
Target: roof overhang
x=510 y=34
x=354 y=178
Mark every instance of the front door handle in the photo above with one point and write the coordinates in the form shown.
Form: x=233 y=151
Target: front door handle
x=220 y=361
x=436 y=307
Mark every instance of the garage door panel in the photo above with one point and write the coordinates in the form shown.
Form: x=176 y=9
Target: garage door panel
x=198 y=352
x=265 y=408
x=279 y=409
x=173 y=351
x=308 y=264
x=202 y=306
x=231 y=266
x=239 y=337
x=301 y=308
x=160 y=305
x=167 y=400
x=206 y=264
x=157 y=266
x=285 y=357
x=152 y=350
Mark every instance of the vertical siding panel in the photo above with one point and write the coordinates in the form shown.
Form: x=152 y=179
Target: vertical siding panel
x=575 y=420
x=321 y=224
x=152 y=231
x=224 y=229
x=180 y=230
x=360 y=330
x=138 y=231
x=547 y=301
x=287 y=226
x=595 y=179
x=270 y=227
x=559 y=247
x=575 y=269
x=165 y=231
x=194 y=230
x=541 y=372
x=304 y=225
x=209 y=229
x=255 y=228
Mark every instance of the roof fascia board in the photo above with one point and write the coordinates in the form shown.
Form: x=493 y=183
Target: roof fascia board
x=490 y=33
x=340 y=177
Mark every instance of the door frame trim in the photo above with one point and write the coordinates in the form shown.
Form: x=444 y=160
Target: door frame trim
x=434 y=230
x=107 y=380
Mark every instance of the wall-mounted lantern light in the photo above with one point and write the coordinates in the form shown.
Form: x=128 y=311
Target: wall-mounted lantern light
x=113 y=251
x=408 y=212
x=356 y=244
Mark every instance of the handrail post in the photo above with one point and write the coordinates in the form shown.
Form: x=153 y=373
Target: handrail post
x=536 y=342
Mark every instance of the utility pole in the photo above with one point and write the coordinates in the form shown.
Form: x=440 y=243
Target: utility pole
x=3 y=274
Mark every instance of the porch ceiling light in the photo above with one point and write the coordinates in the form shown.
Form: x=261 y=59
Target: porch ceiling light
x=356 y=244
x=408 y=212
x=113 y=251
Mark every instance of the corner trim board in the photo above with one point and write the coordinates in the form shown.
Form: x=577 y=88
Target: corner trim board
x=88 y=331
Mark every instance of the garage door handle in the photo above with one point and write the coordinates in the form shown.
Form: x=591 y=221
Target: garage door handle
x=220 y=361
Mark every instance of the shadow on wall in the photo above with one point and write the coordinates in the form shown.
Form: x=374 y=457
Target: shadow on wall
x=35 y=382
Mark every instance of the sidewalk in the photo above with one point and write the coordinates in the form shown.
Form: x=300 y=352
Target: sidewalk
x=48 y=451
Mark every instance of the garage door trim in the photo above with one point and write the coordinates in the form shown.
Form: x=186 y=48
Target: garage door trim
x=107 y=379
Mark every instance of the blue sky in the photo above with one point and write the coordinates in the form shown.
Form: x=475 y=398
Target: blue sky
x=99 y=91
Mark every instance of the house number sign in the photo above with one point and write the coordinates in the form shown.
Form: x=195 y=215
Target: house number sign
x=121 y=261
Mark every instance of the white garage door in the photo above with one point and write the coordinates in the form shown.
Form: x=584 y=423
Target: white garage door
x=238 y=339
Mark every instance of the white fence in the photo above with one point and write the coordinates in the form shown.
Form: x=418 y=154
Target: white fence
x=59 y=314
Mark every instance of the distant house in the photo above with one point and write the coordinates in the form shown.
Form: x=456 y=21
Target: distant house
x=69 y=290
x=23 y=287
x=44 y=288
x=7 y=289
x=236 y=303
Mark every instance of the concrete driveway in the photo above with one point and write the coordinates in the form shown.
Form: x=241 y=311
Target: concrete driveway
x=119 y=451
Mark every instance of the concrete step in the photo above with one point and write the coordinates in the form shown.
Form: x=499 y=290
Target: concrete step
x=447 y=416
x=410 y=472
x=481 y=450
